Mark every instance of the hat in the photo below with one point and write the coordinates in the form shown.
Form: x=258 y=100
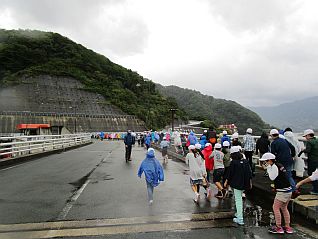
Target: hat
x=191 y=147
x=224 y=132
x=150 y=149
x=217 y=146
x=207 y=144
x=205 y=131
x=273 y=131
x=235 y=135
x=267 y=156
x=234 y=149
x=226 y=144
x=249 y=130
x=197 y=146
x=164 y=138
x=308 y=131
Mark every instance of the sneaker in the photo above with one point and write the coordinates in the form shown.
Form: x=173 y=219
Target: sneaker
x=288 y=230
x=276 y=230
x=243 y=195
x=219 y=194
x=196 y=198
x=238 y=221
x=150 y=202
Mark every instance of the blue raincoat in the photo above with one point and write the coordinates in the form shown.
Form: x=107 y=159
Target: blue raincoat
x=152 y=169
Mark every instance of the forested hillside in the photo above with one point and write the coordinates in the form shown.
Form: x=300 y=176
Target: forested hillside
x=34 y=53
x=220 y=111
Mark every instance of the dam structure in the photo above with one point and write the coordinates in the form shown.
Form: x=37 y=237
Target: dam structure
x=63 y=103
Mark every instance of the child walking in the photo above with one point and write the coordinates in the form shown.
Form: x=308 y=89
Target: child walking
x=218 y=172
x=153 y=172
x=197 y=171
x=240 y=179
x=164 y=144
x=277 y=173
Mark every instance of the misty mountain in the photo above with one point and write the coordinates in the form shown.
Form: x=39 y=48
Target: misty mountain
x=199 y=106
x=298 y=115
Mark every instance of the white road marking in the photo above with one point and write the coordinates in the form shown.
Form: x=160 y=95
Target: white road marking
x=70 y=204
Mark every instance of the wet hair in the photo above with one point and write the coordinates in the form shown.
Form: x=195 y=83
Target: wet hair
x=288 y=129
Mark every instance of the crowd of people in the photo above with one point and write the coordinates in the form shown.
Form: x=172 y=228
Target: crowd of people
x=228 y=163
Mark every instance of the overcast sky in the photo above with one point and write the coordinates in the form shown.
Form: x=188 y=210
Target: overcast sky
x=256 y=52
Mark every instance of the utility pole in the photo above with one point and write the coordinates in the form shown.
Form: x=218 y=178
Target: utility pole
x=173 y=111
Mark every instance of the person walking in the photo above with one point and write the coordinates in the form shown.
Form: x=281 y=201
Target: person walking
x=283 y=153
x=262 y=145
x=218 y=172
x=249 y=147
x=129 y=141
x=209 y=163
x=153 y=171
x=225 y=137
x=278 y=174
x=164 y=144
x=312 y=156
x=148 y=140
x=239 y=178
x=235 y=140
x=197 y=171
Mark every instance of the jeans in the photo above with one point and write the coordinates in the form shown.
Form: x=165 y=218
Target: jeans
x=238 y=203
x=150 y=191
x=290 y=177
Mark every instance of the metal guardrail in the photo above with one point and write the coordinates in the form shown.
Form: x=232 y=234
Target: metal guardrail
x=19 y=146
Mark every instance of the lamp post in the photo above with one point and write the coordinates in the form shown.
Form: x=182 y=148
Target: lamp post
x=173 y=111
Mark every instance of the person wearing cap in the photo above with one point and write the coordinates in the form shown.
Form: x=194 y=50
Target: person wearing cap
x=205 y=183
x=283 y=151
x=209 y=163
x=312 y=156
x=249 y=147
x=227 y=162
x=225 y=137
x=129 y=141
x=278 y=174
x=235 y=140
x=239 y=178
x=153 y=171
x=164 y=144
x=218 y=172
x=197 y=171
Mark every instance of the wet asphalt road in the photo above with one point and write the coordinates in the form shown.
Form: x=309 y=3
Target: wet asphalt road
x=95 y=182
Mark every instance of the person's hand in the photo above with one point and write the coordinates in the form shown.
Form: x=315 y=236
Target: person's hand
x=265 y=165
x=298 y=185
x=126 y=146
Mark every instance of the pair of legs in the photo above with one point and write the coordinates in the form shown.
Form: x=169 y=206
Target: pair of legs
x=150 y=192
x=278 y=207
x=290 y=177
x=217 y=177
x=239 y=206
x=249 y=157
x=128 y=152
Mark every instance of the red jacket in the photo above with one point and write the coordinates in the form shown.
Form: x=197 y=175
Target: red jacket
x=209 y=162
